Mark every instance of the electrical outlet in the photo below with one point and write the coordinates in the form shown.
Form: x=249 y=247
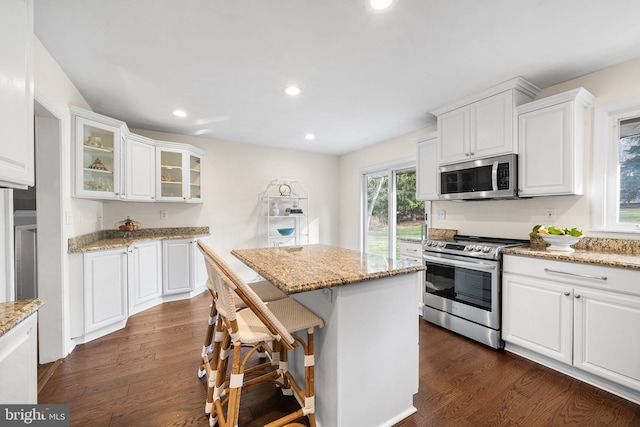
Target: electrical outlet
x=549 y=214
x=441 y=214
x=164 y=215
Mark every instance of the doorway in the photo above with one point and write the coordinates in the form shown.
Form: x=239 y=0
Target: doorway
x=50 y=259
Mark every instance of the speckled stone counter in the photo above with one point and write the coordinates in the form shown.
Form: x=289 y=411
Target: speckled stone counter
x=434 y=233
x=306 y=268
x=621 y=253
x=14 y=312
x=108 y=239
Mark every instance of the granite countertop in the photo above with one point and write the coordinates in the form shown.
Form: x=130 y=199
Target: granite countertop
x=620 y=253
x=14 y=312
x=433 y=233
x=109 y=239
x=306 y=268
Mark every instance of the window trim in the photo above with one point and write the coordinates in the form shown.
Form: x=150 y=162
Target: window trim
x=605 y=176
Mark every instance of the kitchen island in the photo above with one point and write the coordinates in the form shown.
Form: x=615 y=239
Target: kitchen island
x=367 y=353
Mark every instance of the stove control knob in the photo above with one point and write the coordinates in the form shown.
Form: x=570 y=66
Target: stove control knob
x=469 y=247
x=442 y=244
x=478 y=248
x=486 y=249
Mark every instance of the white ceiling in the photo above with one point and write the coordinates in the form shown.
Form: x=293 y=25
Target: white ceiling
x=366 y=77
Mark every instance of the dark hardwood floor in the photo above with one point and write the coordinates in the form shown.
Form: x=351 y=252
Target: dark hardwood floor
x=145 y=375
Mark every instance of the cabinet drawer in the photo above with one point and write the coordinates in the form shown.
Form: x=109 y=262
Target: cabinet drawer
x=574 y=273
x=411 y=250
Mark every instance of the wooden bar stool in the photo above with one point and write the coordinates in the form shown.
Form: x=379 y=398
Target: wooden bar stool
x=211 y=349
x=256 y=326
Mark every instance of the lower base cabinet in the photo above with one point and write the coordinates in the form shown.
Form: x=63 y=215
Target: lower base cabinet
x=413 y=251
x=19 y=363
x=108 y=286
x=586 y=317
x=183 y=266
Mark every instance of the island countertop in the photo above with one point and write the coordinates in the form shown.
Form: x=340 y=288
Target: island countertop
x=14 y=312
x=297 y=269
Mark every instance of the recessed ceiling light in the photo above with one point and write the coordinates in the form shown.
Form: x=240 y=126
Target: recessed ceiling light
x=293 y=91
x=380 y=4
x=310 y=136
x=179 y=113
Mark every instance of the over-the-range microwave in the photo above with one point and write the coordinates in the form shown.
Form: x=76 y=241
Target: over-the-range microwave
x=490 y=178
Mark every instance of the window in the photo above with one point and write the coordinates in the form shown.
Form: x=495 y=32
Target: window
x=616 y=167
x=390 y=211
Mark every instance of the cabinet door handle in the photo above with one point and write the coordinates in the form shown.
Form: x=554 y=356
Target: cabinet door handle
x=472 y=153
x=567 y=294
x=577 y=296
x=584 y=276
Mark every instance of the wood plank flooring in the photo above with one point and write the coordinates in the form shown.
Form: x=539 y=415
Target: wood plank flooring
x=145 y=375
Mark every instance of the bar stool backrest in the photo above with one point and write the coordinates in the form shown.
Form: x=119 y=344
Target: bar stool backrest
x=227 y=281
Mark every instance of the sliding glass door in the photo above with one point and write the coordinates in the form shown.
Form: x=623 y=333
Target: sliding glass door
x=390 y=209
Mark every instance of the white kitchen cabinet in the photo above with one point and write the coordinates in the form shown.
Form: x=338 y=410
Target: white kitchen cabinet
x=607 y=335
x=538 y=315
x=482 y=125
x=413 y=251
x=285 y=205
x=427 y=173
x=19 y=363
x=179 y=175
x=183 y=267
x=97 y=153
x=16 y=94
x=585 y=316
x=140 y=169
x=105 y=289
x=144 y=263
x=551 y=144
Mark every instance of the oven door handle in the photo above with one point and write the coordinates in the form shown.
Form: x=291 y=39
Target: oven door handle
x=464 y=264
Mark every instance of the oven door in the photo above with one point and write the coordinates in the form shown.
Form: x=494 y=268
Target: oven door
x=464 y=287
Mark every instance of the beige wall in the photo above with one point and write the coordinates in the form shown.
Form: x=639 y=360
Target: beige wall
x=508 y=218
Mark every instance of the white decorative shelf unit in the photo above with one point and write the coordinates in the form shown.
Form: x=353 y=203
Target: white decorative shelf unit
x=284 y=205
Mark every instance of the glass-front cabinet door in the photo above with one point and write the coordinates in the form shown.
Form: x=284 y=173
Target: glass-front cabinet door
x=195 y=178
x=171 y=174
x=97 y=154
x=179 y=175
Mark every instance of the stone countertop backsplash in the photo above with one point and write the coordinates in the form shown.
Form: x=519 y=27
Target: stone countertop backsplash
x=109 y=239
x=434 y=233
x=621 y=253
x=14 y=312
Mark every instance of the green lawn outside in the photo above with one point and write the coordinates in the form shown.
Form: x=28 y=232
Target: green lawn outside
x=379 y=240
x=630 y=215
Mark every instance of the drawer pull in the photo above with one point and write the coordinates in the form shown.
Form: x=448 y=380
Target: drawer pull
x=412 y=250
x=584 y=276
x=566 y=294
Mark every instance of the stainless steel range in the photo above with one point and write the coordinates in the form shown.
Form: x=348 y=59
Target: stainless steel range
x=463 y=285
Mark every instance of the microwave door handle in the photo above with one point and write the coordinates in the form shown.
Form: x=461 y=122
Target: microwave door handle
x=494 y=176
x=456 y=263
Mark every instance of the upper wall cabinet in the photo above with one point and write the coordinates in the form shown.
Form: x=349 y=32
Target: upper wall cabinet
x=16 y=94
x=110 y=163
x=97 y=155
x=140 y=169
x=482 y=125
x=179 y=173
x=428 y=178
x=551 y=144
